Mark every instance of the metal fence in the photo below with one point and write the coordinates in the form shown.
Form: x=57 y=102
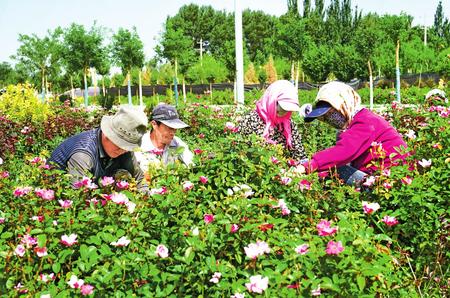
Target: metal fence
x=205 y=88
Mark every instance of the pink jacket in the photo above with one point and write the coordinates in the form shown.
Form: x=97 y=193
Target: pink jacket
x=353 y=145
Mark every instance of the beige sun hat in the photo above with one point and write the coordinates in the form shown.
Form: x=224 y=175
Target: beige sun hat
x=126 y=128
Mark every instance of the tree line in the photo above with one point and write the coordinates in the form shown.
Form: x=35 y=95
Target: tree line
x=197 y=45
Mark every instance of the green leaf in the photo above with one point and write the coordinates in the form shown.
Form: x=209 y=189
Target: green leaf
x=42 y=240
x=56 y=267
x=361 y=281
x=7 y=235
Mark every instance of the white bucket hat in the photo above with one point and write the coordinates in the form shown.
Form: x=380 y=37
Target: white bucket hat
x=126 y=128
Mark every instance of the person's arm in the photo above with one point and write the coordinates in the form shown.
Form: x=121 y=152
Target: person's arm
x=79 y=165
x=351 y=144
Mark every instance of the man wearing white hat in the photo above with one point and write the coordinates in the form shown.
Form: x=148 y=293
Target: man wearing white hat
x=107 y=150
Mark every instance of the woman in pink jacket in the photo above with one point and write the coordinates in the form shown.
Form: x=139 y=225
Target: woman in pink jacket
x=361 y=131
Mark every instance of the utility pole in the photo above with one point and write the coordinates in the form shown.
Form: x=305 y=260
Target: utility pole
x=201 y=51
x=239 y=52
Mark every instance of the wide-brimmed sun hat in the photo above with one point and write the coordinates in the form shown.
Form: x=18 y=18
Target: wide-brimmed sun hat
x=167 y=115
x=126 y=128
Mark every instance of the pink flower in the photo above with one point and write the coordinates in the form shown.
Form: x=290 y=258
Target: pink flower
x=369 y=181
x=285 y=211
x=25 y=130
x=123 y=241
x=208 y=218
x=237 y=295
x=407 y=180
x=216 y=277
x=107 y=180
x=257 y=284
x=87 y=289
x=37 y=159
x=324 y=228
x=41 y=251
x=69 y=240
x=75 y=283
x=2 y=220
x=304 y=184
x=22 y=191
x=285 y=180
x=28 y=240
x=334 y=248
x=65 y=203
x=119 y=198
x=20 y=250
x=85 y=182
x=203 y=179
x=20 y=288
x=47 y=277
x=46 y=194
x=274 y=160
x=231 y=127
x=234 y=228
x=302 y=249
x=370 y=208
x=437 y=146
x=198 y=151
x=316 y=292
x=158 y=191
x=162 y=251
x=387 y=185
x=4 y=174
x=39 y=218
x=201 y=136
x=254 y=250
x=386 y=172
x=122 y=184
x=425 y=163
x=188 y=185
x=390 y=220
x=292 y=162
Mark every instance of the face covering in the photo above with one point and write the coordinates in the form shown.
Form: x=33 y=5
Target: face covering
x=335 y=119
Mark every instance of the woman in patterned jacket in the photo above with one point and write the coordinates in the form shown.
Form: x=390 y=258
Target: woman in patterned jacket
x=272 y=118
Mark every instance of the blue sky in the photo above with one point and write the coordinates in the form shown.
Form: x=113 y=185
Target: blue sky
x=38 y=16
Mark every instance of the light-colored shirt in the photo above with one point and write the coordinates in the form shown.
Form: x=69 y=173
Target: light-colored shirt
x=150 y=156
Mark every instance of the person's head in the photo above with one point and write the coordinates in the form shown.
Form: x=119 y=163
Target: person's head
x=435 y=96
x=165 y=122
x=336 y=103
x=280 y=99
x=276 y=105
x=123 y=131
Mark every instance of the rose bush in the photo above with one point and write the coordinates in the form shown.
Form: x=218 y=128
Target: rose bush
x=240 y=221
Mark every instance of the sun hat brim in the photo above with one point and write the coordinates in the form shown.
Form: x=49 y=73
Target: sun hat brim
x=321 y=109
x=289 y=106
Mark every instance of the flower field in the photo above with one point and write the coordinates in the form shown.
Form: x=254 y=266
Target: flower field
x=240 y=223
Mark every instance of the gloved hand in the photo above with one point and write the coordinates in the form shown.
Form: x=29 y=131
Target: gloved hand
x=305 y=109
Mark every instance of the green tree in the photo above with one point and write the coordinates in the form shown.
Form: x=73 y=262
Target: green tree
x=318 y=62
x=82 y=50
x=7 y=74
x=127 y=52
x=40 y=55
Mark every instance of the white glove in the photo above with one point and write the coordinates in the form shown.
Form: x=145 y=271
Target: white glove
x=305 y=109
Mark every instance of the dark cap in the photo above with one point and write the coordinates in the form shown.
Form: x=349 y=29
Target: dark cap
x=321 y=108
x=167 y=115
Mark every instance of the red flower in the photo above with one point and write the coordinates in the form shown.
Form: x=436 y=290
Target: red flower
x=266 y=226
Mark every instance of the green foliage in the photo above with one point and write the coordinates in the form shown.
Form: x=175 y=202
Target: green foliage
x=127 y=50
x=21 y=104
x=208 y=70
